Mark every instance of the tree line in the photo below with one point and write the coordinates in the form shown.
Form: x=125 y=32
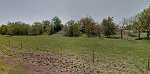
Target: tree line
x=72 y=28
x=37 y=28
x=86 y=25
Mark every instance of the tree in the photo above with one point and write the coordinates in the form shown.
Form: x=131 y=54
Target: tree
x=137 y=25
x=145 y=17
x=18 y=28
x=50 y=29
x=129 y=27
x=57 y=24
x=88 y=25
x=46 y=25
x=98 y=30
x=108 y=26
x=37 y=28
x=72 y=28
x=4 y=30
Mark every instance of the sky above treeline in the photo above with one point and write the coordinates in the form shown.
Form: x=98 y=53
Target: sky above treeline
x=30 y=11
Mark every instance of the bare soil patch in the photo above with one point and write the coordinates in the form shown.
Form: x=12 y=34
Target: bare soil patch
x=43 y=62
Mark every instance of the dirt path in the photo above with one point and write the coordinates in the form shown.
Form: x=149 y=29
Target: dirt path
x=48 y=63
x=26 y=68
x=40 y=62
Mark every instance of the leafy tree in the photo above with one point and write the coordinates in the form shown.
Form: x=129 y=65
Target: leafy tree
x=88 y=25
x=49 y=29
x=129 y=27
x=145 y=17
x=108 y=27
x=57 y=24
x=4 y=30
x=37 y=28
x=72 y=29
x=98 y=30
x=46 y=25
x=18 y=28
x=138 y=24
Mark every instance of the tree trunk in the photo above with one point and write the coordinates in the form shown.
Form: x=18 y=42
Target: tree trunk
x=129 y=32
x=121 y=34
x=147 y=34
x=99 y=35
x=93 y=56
x=88 y=34
x=71 y=33
x=139 y=35
x=108 y=36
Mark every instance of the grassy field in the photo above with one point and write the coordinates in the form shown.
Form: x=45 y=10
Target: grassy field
x=7 y=69
x=112 y=55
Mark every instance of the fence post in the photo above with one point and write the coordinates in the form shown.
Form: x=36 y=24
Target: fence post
x=9 y=44
x=93 y=56
x=21 y=45
x=148 y=64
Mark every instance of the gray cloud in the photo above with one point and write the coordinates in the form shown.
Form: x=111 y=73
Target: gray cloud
x=37 y=10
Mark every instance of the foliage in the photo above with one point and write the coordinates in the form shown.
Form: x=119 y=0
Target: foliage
x=21 y=28
x=72 y=29
x=46 y=25
x=18 y=28
x=37 y=28
x=4 y=30
x=56 y=22
x=98 y=30
x=145 y=16
x=108 y=27
x=145 y=19
x=129 y=27
x=88 y=25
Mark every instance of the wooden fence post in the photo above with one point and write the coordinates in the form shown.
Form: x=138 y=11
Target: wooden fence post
x=9 y=44
x=21 y=45
x=148 y=64
x=93 y=56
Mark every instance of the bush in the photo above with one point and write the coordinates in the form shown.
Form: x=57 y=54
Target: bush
x=72 y=29
x=36 y=29
x=18 y=28
x=4 y=30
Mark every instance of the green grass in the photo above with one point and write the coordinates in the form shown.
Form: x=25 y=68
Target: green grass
x=7 y=69
x=127 y=50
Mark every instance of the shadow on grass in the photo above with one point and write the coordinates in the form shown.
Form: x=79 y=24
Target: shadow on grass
x=133 y=35
x=8 y=36
x=72 y=36
x=113 y=37
x=20 y=35
x=143 y=38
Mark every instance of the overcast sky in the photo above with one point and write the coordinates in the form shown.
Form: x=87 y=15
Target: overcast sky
x=30 y=11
